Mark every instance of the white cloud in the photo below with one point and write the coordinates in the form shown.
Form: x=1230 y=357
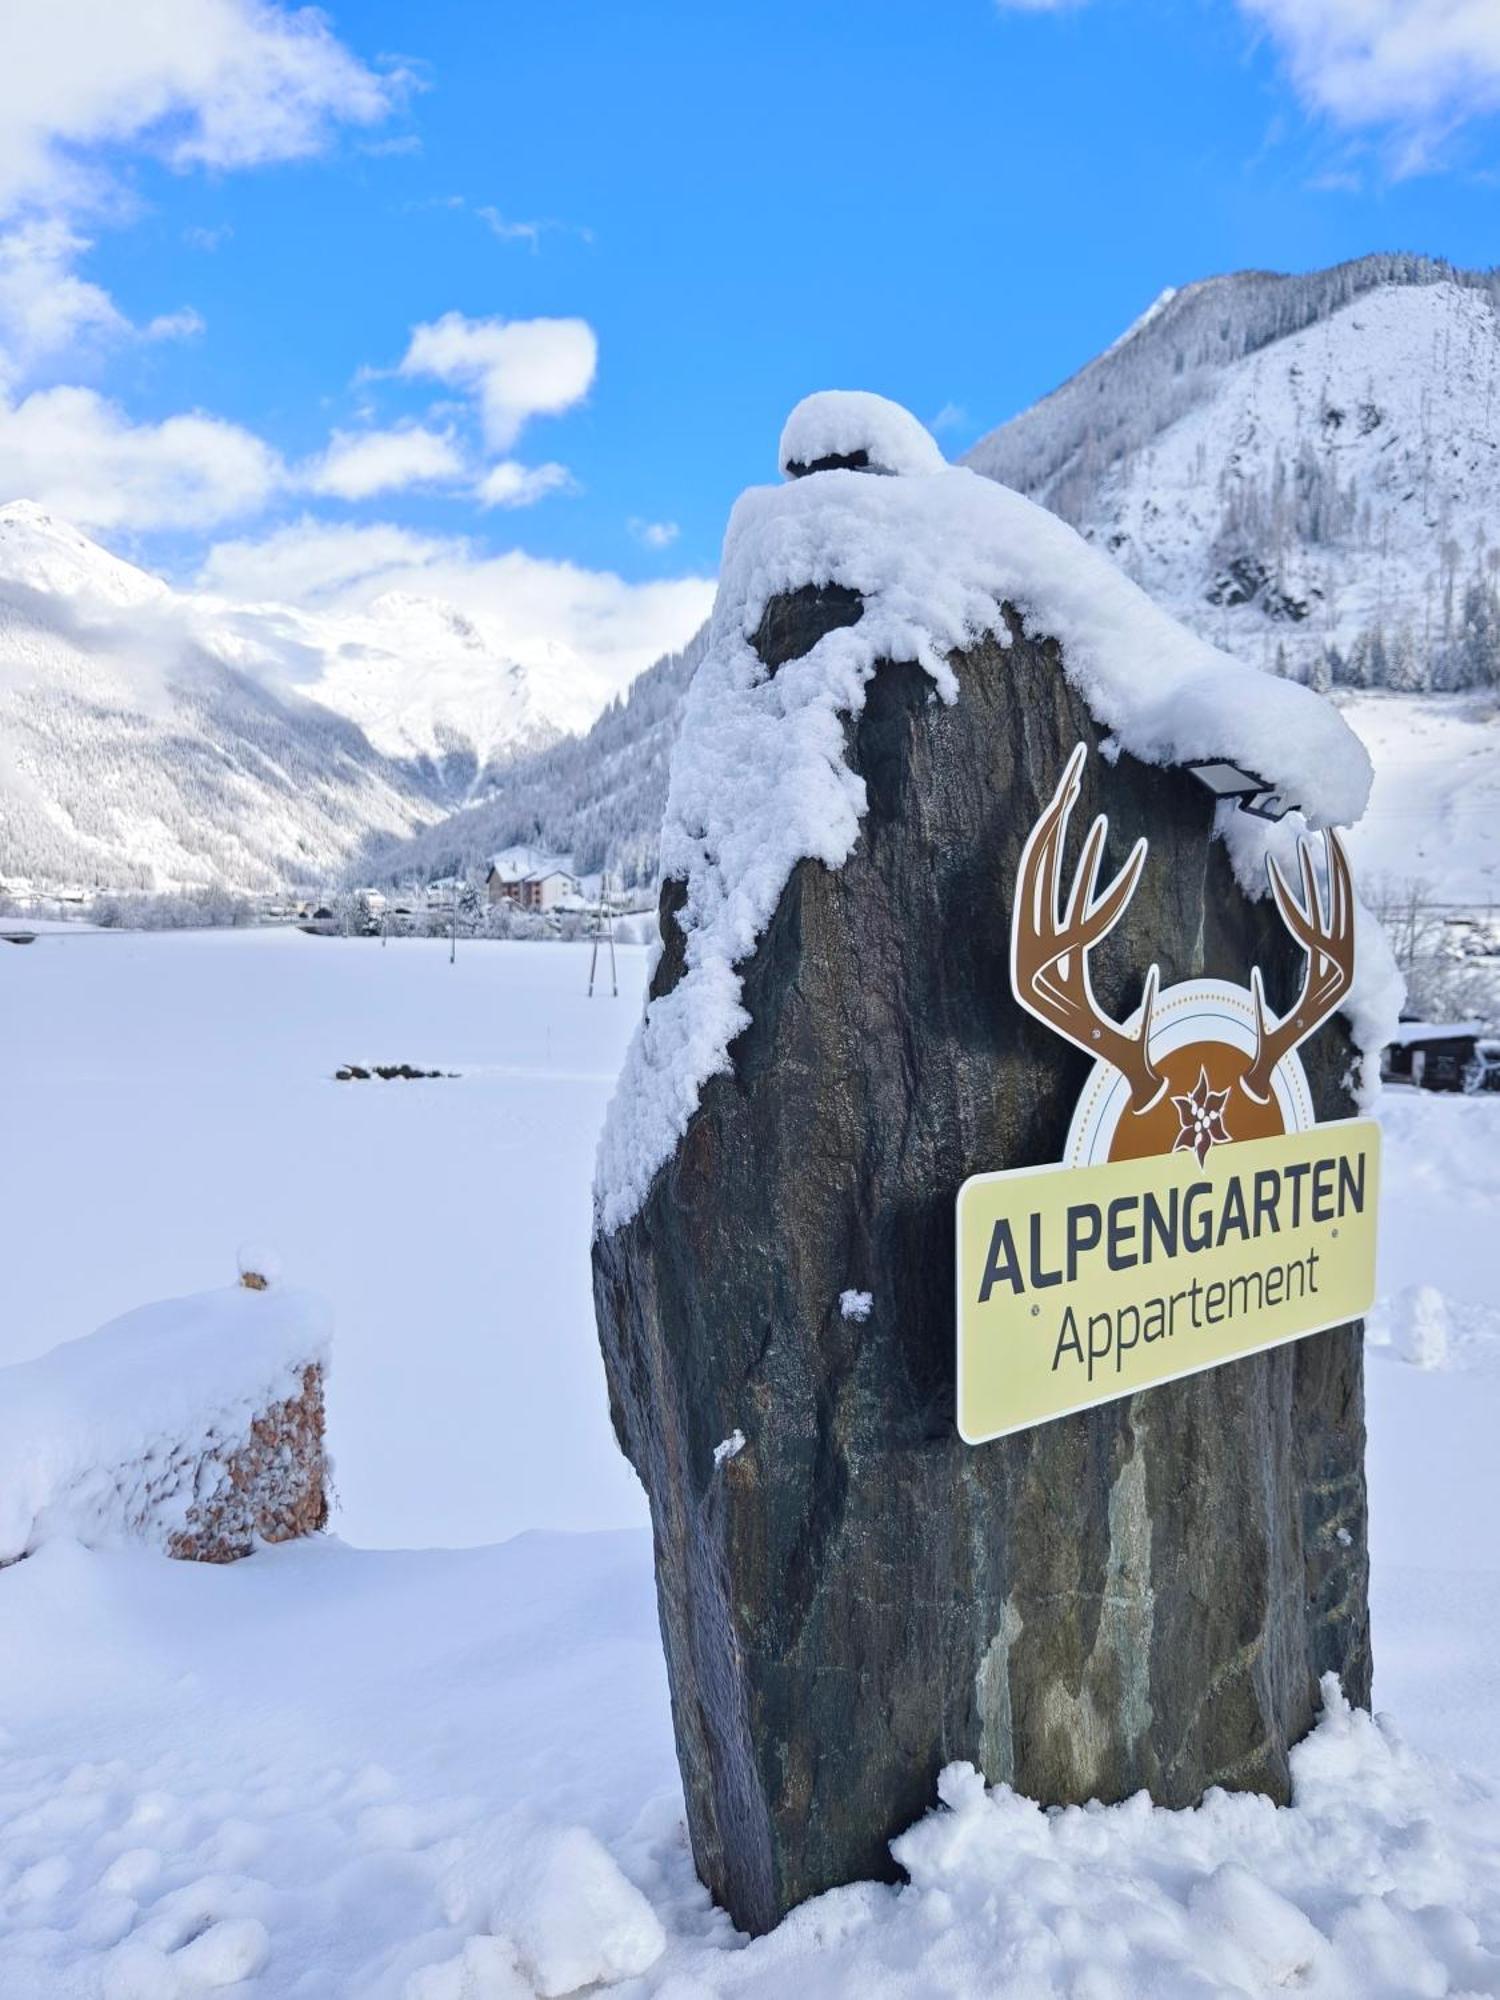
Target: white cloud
x=403 y=146
x=1037 y=6
x=498 y=225
x=44 y=305
x=198 y=237
x=517 y=369
x=218 y=83
x=510 y=484
x=1424 y=65
x=184 y=324
x=951 y=417
x=590 y=624
x=310 y=561
x=530 y=233
x=654 y=534
x=359 y=464
x=47 y=309
x=80 y=455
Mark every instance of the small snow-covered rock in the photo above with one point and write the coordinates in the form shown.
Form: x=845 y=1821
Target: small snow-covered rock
x=853 y=431
x=127 y=1434
x=856 y=1305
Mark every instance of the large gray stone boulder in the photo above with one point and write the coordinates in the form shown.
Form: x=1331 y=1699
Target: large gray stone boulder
x=1144 y=1595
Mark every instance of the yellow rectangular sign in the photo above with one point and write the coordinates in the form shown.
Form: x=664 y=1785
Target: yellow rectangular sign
x=1080 y=1284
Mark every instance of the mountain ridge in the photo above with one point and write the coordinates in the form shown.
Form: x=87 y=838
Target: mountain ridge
x=155 y=738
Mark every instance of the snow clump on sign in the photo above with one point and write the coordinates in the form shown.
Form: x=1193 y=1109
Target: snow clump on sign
x=759 y=777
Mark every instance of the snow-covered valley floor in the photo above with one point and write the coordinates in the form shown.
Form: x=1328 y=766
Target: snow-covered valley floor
x=373 y=1768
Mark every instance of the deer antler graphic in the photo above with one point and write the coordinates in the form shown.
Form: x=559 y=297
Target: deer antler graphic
x=1049 y=954
x=1329 y=944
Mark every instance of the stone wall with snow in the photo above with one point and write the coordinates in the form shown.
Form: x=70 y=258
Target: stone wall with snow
x=194 y=1426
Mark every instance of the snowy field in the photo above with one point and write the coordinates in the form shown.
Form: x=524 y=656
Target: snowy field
x=170 y=1096
x=1434 y=811
x=377 y=1768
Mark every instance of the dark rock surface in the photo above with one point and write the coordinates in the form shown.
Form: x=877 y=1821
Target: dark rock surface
x=837 y=461
x=1141 y=1595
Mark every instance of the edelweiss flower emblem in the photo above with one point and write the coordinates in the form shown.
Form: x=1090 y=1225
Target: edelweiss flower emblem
x=1202 y=1117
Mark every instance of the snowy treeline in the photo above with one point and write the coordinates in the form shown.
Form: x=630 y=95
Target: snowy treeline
x=1451 y=964
x=179 y=910
x=354 y=915
x=598 y=797
x=1453 y=649
x=1440 y=633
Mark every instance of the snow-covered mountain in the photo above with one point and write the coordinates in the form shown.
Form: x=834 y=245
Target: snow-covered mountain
x=427 y=687
x=1304 y=469
x=597 y=797
x=155 y=738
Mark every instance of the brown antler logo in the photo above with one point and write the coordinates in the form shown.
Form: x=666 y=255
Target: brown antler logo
x=1198 y=1092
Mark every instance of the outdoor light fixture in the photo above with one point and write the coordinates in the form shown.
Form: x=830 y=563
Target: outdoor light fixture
x=1228 y=781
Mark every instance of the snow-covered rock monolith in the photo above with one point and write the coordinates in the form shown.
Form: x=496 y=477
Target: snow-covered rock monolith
x=194 y=1426
x=1142 y=1595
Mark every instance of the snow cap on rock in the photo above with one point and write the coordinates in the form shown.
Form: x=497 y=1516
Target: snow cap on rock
x=938 y=560
x=850 y=430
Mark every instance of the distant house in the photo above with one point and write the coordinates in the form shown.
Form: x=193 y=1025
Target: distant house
x=1433 y=1055
x=503 y=882
x=544 y=891
x=539 y=885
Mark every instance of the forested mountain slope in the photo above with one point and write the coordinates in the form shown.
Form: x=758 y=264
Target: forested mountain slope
x=1304 y=469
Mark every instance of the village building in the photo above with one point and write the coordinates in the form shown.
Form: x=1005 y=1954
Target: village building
x=1432 y=1055
x=539 y=884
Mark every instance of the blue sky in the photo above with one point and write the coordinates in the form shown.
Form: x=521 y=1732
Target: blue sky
x=241 y=213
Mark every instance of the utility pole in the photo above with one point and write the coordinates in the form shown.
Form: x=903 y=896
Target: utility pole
x=604 y=928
